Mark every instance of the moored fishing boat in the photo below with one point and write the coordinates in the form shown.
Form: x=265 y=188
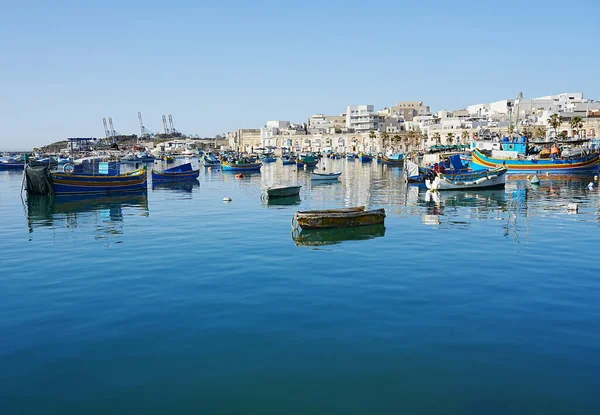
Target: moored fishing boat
x=365 y=158
x=288 y=161
x=240 y=166
x=308 y=161
x=12 y=164
x=41 y=181
x=477 y=179
x=338 y=218
x=396 y=160
x=350 y=156
x=325 y=176
x=209 y=160
x=282 y=191
x=181 y=172
x=585 y=164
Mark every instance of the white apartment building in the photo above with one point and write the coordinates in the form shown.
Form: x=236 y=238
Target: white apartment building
x=362 y=118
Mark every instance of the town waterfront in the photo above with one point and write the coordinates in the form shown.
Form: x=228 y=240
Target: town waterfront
x=176 y=302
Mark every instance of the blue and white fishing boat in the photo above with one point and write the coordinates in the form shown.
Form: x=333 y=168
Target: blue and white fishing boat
x=365 y=158
x=177 y=173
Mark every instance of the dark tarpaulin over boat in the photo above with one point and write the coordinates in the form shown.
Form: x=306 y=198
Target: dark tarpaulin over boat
x=184 y=168
x=39 y=180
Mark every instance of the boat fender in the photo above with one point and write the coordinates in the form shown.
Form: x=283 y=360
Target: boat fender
x=239 y=176
x=479 y=181
x=492 y=177
x=226 y=199
x=68 y=168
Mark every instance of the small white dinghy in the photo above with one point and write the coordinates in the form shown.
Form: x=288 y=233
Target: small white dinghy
x=325 y=176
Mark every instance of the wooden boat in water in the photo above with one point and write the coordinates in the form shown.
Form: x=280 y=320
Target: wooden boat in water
x=396 y=160
x=325 y=176
x=178 y=173
x=240 y=166
x=41 y=181
x=584 y=164
x=282 y=191
x=338 y=218
x=365 y=158
x=476 y=179
x=308 y=161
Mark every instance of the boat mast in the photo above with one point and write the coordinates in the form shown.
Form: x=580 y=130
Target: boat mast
x=515 y=129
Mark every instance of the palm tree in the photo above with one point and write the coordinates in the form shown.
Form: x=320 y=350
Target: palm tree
x=555 y=121
x=576 y=124
x=412 y=137
x=464 y=136
x=450 y=138
x=396 y=138
x=371 y=134
x=384 y=137
x=438 y=138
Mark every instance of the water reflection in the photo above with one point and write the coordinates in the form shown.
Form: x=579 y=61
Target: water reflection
x=179 y=187
x=320 y=237
x=284 y=201
x=104 y=212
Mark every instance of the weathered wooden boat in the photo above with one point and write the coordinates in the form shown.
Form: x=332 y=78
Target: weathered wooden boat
x=365 y=158
x=282 y=191
x=41 y=181
x=320 y=237
x=240 y=166
x=177 y=173
x=338 y=218
x=396 y=160
x=308 y=161
x=477 y=179
x=584 y=164
x=325 y=176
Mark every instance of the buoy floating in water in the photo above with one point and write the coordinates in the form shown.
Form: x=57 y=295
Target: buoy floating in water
x=591 y=186
x=226 y=199
x=239 y=175
x=595 y=178
x=535 y=180
x=572 y=207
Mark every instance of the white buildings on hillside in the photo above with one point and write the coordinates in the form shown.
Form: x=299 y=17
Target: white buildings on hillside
x=361 y=118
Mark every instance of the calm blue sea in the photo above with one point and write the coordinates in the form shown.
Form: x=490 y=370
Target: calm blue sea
x=483 y=302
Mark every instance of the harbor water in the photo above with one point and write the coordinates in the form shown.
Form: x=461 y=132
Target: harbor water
x=173 y=301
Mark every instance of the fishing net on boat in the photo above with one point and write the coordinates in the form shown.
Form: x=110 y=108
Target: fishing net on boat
x=39 y=180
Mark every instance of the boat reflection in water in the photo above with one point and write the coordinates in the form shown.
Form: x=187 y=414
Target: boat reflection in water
x=179 y=187
x=320 y=237
x=103 y=212
x=483 y=203
x=284 y=201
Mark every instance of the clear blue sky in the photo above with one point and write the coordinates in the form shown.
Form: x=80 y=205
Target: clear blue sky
x=225 y=65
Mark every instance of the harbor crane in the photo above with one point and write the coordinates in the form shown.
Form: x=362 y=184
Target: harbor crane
x=106 y=133
x=164 y=120
x=171 y=124
x=144 y=132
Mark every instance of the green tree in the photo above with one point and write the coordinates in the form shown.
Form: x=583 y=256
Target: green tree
x=384 y=138
x=464 y=136
x=450 y=138
x=576 y=125
x=437 y=138
x=555 y=121
x=372 y=134
x=539 y=131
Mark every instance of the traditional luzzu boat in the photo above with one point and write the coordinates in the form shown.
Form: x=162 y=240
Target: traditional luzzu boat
x=308 y=161
x=178 y=173
x=106 y=179
x=365 y=158
x=584 y=164
x=338 y=218
x=288 y=160
x=240 y=165
x=210 y=160
x=396 y=160
x=477 y=179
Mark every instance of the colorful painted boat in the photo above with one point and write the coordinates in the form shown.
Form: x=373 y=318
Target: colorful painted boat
x=584 y=164
x=288 y=161
x=211 y=161
x=178 y=173
x=476 y=179
x=338 y=218
x=240 y=166
x=308 y=161
x=396 y=160
x=365 y=158
x=12 y=164
x=268 y=159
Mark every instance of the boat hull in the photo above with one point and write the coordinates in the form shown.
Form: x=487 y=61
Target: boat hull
x=339 y=218
x=241 y=167
x=65 y=183
x=364 y=158
x=585 y=164
x=283 y=191
x=486 y=179
x=331 y=176
x=12 y=166
x=302 y=163
x=163 y=176
x=391 y=162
